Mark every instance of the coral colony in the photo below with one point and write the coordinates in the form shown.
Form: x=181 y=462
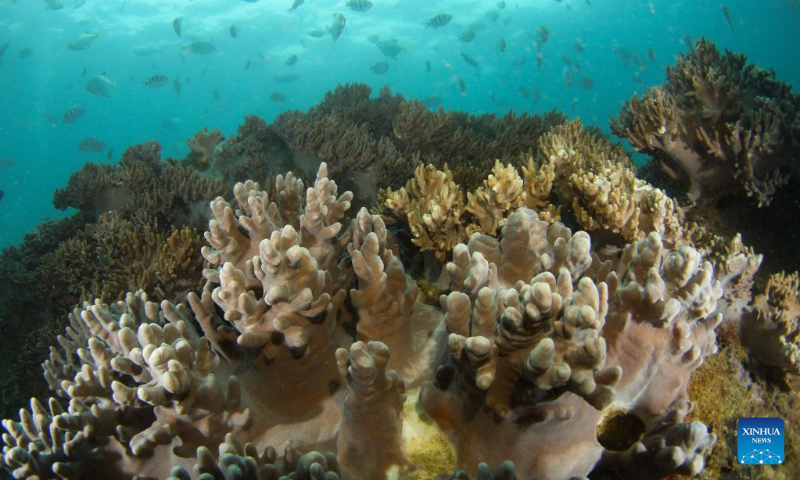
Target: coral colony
x=543 y=321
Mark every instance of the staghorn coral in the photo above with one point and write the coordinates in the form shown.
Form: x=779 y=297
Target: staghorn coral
x=717 y=123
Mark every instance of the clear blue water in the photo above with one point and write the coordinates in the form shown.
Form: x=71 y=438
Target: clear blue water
x=42 y=86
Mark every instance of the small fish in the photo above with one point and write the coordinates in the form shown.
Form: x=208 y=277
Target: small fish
x=6 y=162
x=462 y=87
x=156 y=81
x=83 y=42
x=439 y=20
x=578 y=46
x=78 y=4
x=651 y=55
x=25 y=52
x=433 y=100
x=101 y=86
x=217 y=96
x=492 y=15
x=296 y=4
x=337 y=27
x=285 y=78
x=94 y=145
x=467 y=37
x=524 y=92
x=247 y=64
x=150 y=49
x=176 y=25
x=73 y=114
x=566 y=59
x=2 y=194
x=389 y=48
x=728 y=17
x=380 y=67
x=428 y=66
x=176 y=86
x=568 y=76
x=4 y=47
x=586 y=82
x=537 y=95
x=291 y=60
x=359 y=5
x=110 y=154
x=539 y=60
x=201 y=48
x=234 y=31
x=277 y=97
x=470 y=60
x=83 y=72
x=688 y=40
x=317 y=33
x=501 y=45
x=501 y=5
x=543 y=34
x=53 y=5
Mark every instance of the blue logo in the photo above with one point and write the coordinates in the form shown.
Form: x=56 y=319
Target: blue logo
x=760 y=441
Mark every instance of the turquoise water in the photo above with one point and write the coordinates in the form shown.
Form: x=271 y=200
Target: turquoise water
x=38 y=151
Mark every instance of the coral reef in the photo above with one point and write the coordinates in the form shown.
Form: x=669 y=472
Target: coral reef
x=537 y=331
x=718 y=123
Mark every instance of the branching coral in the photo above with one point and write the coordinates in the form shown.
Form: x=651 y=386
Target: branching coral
x=717 y=122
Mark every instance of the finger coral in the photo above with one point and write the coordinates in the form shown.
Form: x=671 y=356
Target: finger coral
x=717 y=123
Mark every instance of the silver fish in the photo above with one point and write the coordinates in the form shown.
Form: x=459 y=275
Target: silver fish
x=83 y=42
x=149 y=49
x=73 y=114
x=359 y=5
x=291 y=60
x=285 y=78
x=440 y=20
x=389 y=48
x=156 y=81
x=338 y=26
x=469 y=59
x=176 y=25
x=318 y=33
x=101 y=86
x=296 y=4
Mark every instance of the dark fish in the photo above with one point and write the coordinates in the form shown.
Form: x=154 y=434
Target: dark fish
x=470 y=60
x=101 y=86
x=285 y=78
x=73 y=114
x=247 y=64
x=380 y=67
x=317 y=33
x=25 y=52
x=539 y=60
x=176 y=25
x=234 y=31
x=566 y=59
x=501 y=45
x=586 y=82
x=688 y=40
x=492 y=15
x=176 y=85
x=4 y=47
x=428 y=66
x=524 y=92
x=217 y=96
x=543 y=34
x=462 y=87
x=359 y=5
x=727 y=14
x=277 y=97
x=156 y=81
x=291 y=60
x=200 y=48
x=651 y=55
x=2 y=194
x=296 y=4
x=578 y=46
x=92 y=145
x=110 y=154
x=467 y=37
x=337 y=27
x=440 y=20
x=83 y=72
